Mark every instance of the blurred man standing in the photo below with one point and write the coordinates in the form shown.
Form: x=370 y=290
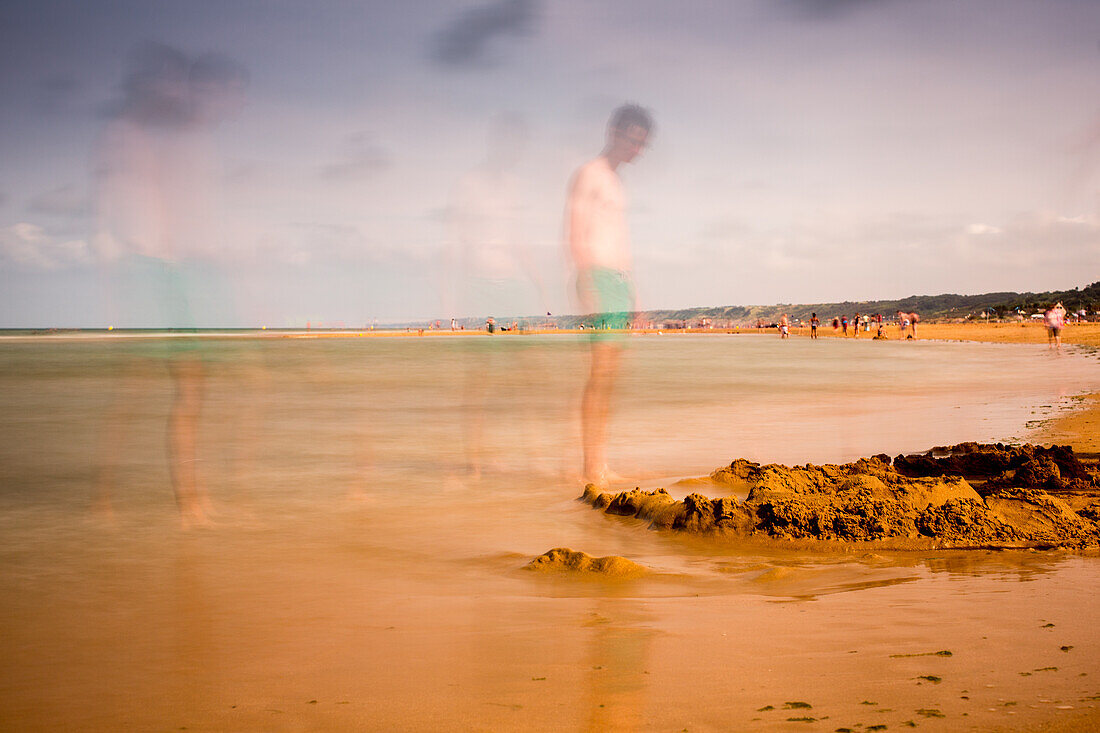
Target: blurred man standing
x=600 y=249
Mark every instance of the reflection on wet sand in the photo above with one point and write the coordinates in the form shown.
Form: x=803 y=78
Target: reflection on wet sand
x=615 y=690
x=247 y=626
x=191 y=618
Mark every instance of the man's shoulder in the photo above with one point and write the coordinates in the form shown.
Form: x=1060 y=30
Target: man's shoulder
x=594 y=171
x=597 y=163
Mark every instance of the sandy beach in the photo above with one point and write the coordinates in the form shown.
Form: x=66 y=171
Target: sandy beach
x=1083 y=334
x=358 y=577
x=382 y=367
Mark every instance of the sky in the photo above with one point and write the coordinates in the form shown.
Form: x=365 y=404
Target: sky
x=803 y=151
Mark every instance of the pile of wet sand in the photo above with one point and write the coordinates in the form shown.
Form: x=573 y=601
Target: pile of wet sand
x=565 y=560
x=969 y=495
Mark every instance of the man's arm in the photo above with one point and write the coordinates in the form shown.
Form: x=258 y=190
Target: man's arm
x=580 y=207
x=579 y=224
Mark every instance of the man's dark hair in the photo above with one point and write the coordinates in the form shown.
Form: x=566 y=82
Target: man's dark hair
x=631 y=114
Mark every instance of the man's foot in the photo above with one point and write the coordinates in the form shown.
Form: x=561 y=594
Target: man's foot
x=195 y=518
x=603 y=477
x=103 y=509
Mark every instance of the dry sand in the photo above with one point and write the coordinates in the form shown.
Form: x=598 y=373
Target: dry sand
x=1080 y=428
x=1084 y=334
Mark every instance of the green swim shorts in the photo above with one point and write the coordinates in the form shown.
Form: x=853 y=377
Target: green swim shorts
x=612 y=292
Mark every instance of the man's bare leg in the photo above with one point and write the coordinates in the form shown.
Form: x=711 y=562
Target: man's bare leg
x=595 y=411
x=191 y=497
x=123 y=396
x=478 y=377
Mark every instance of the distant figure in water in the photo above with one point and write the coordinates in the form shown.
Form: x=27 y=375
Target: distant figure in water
x=908 y=323
x=784 y=327
x=600 y=251
x=814 y=321
x=157 y=238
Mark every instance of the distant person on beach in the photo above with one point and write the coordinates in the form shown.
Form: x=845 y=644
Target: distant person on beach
x=855 y=326
x=844 y=324
x=908 y=324
x=1055 y=318
x=814 y=321
x=836 y=323
x=784 y=327
x=599 y=248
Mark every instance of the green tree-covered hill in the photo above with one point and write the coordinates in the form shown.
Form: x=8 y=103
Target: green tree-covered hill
x=948 y=306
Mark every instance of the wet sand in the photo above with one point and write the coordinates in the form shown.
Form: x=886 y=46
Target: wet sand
x=305 y=608
x=1079 y=428
x=207 y=635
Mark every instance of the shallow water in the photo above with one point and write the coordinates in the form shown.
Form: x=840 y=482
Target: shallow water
x=377 y=499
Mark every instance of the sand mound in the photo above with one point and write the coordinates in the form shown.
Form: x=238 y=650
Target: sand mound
x=564 y=560
x=872 y=500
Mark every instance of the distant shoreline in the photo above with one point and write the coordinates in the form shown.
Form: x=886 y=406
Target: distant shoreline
x=1083 y=334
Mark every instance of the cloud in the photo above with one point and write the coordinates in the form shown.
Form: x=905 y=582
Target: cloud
x=362 y=159
x=324 y=243
x=825 y=259
x=29 y=246
x=983 y=229
x=1042 y=237
x=828 y=9
x=65 y=201
x=165 y=87
x=464 y=42
x=59 y=94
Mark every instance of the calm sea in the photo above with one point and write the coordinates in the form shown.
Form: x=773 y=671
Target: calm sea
x=301 y=420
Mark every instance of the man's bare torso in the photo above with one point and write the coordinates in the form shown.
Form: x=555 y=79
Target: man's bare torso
x=597 y=218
